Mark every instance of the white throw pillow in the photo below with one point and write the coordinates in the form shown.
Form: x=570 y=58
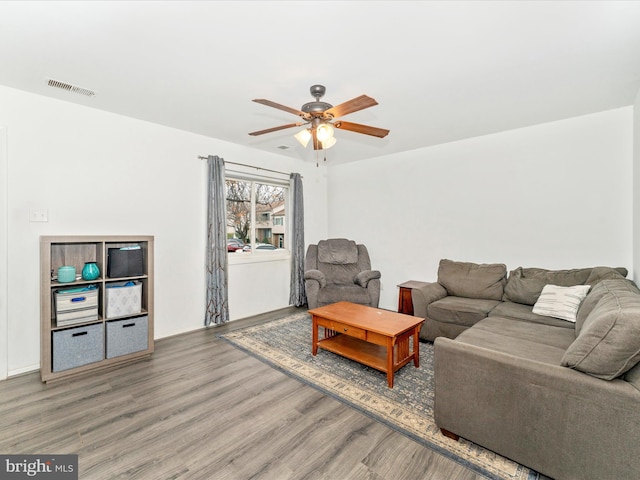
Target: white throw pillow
x=561 y=302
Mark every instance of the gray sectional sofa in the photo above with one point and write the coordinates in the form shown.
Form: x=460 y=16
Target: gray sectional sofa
x=465 y=293
x=561 y=397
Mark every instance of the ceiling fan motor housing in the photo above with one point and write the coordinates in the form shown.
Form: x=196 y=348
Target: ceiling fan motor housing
x=316 y=107
x=317 y=91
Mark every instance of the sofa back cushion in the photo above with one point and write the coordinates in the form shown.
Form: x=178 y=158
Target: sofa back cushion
x=339 y=274
x=597 y=292
x=338 y=251
x=609 y=342
x=473 y=280
x=605 y=273
x=339 y=259
x=524 y=285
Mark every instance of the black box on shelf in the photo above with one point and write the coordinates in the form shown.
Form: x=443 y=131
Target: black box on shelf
x=125 y=262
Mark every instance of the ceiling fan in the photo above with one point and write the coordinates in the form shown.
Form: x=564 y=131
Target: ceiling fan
x=321 y=119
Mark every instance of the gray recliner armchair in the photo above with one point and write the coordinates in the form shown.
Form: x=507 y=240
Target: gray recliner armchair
x=338 y=270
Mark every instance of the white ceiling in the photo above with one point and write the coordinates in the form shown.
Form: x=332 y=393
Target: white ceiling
x=441 y=71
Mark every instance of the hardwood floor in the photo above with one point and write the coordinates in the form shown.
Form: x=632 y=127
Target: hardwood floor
x=202 y=409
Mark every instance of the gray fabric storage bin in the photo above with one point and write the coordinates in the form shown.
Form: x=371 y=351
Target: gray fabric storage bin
x=123 y=300
x=127 y=336
x=78 y=346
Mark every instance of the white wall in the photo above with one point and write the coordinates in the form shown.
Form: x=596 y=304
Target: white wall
x=557 y=195
x=636 y=190
x=101 y=174
x=4 y=279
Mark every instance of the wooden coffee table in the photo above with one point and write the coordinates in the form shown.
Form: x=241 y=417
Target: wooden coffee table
x=377 y=338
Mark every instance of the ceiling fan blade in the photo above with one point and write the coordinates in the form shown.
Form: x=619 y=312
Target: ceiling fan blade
x=269 y=103
x=350 y=106
x=275 y=129
x=359 y=128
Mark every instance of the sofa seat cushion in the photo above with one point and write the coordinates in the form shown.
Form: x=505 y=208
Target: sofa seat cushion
x=473 y=280
x=519 y=311
x=609 y=342
x=542 y=343
x=460 y=310
x=343 y=293
x=633 y=376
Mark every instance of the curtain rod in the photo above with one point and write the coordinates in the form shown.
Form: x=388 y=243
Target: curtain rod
x=250 y=166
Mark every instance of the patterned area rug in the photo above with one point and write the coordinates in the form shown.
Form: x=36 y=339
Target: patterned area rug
x=408 y=407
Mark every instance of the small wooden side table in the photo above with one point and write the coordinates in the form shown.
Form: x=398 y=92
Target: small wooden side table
x=405 y=302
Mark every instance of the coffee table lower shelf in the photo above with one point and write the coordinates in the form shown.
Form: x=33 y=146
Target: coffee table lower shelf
x=369 y=354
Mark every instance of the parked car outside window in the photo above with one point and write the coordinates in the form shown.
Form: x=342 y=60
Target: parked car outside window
x=260 y=246
x=234 y=244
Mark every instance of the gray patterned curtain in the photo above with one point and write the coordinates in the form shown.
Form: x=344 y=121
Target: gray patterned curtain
x=217 y=294
x=297 y=295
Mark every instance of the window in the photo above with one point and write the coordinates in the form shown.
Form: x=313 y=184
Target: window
x=253 y=208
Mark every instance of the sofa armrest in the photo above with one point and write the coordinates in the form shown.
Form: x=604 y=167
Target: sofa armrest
x=316 y=275
x=558 y=421
x=424 y=295
x=365 y=276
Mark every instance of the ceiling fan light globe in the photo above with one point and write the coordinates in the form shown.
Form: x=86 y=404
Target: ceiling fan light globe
x=303 y=136
x=324 y=132
x=330 y=142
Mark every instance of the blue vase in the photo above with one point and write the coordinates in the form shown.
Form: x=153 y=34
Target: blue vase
x=90 y=271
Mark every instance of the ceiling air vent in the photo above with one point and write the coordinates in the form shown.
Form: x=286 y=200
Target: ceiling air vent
x=283 y=147
x=70 y=88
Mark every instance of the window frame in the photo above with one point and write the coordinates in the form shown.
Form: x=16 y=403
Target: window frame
x=258 y=255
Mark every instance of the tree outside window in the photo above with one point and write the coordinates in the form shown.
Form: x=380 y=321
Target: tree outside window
x=250 y=212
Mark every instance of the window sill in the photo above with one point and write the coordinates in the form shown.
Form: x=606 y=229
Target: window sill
x=236 y=258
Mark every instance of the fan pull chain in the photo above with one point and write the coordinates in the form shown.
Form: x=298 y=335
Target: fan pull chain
x=318 y=157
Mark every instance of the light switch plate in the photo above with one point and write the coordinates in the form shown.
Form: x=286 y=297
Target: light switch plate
x=38 y=215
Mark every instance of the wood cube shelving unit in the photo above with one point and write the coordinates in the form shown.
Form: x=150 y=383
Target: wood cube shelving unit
x=95 y=343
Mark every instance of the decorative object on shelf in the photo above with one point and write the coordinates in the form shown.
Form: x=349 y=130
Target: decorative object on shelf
x=90 y=271
x=66 y=274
